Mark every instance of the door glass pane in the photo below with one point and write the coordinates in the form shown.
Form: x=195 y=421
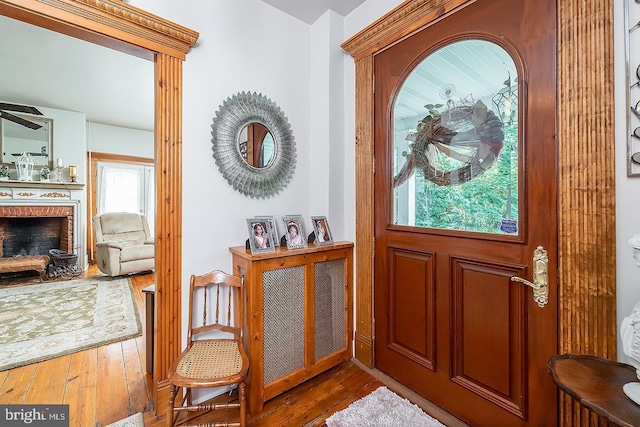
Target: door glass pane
x=455 y=141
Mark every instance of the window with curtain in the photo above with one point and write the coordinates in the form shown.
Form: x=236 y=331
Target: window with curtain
x=126 y=188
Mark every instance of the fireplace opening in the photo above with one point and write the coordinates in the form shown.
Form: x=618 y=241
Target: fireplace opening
x=30 y=236
x=34 y=230
x=31 y=231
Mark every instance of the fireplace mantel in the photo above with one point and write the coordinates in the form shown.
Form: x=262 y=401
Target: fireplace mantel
x=41 y=184
x=20 y=190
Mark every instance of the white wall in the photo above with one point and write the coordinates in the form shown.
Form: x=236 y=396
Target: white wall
x=243 y=46
x=627 y=188
x=329 y=148
x=69 y=141
x=103 y=138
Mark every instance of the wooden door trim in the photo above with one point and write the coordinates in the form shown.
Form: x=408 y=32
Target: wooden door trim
x=117 y=25
x=585 y=171
x=92 y=193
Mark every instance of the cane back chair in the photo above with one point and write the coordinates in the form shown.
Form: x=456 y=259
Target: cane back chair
x=212 y=357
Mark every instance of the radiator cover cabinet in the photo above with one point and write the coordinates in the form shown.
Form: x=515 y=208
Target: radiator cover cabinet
x=299 y=315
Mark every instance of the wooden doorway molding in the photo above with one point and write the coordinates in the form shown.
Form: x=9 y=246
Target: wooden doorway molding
x=585 y=173
x=117 y=25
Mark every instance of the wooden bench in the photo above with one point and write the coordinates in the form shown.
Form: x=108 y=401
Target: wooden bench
x=17 y=264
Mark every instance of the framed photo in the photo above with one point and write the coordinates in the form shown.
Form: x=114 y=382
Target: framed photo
x=275 y=237
x=260 y=239
x=321 y=229
x=294 y=230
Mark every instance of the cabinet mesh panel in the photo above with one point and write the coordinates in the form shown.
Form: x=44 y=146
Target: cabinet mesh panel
x=329 y=307
x=283 y=322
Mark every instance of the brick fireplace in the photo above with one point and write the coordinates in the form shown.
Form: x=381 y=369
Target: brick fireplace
x=38 y=216
x=33 y=230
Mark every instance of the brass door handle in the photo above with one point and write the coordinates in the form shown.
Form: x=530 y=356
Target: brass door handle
x=540 y=283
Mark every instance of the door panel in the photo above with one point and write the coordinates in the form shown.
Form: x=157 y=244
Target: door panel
x=488 y=338
x=412 y=332
x=449 y=321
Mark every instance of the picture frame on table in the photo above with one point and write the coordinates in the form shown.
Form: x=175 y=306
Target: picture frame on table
x=321 y=230
x=294 y=231
x=260 y=235
x=273 y=227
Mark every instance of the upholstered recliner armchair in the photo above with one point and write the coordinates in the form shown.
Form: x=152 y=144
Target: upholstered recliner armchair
x=124 y=244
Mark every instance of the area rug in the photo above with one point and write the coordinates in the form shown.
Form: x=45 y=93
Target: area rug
x=134 y=420
x=40 y=322
x=382 y=408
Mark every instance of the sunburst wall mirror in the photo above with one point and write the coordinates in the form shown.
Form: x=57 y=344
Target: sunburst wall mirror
x=253 y=145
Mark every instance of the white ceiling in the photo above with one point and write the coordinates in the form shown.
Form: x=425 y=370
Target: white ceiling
x=310 y=10
x=47 y=69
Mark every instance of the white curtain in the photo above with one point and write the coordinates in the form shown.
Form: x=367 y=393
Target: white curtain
x=126 y=188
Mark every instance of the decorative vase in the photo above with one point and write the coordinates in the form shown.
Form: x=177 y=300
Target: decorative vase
x=45 y=174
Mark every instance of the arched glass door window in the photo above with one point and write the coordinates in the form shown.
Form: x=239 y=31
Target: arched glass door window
x=455 y=141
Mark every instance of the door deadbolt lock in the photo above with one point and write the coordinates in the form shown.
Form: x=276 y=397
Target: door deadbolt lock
x=540 y=283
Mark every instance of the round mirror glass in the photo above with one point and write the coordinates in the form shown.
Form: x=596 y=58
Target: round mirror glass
x=256 y=145
x=253 y=145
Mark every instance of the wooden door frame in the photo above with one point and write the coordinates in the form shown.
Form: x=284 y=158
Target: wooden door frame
x=585 y=173
x=93 y=158
x=117 y=25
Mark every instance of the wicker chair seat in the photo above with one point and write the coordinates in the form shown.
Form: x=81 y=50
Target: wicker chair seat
x=225 y=353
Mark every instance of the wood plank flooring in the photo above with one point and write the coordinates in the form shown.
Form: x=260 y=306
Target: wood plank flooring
x=109 y=383
x=101 y=385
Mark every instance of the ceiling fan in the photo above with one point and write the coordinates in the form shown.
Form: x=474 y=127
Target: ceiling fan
x=22 y=109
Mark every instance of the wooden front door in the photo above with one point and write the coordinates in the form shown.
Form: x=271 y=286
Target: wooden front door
x=465 y=184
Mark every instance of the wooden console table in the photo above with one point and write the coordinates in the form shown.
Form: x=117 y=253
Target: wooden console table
x=298 y=314
x=597 y=384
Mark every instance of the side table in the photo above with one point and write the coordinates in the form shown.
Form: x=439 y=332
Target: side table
x=597 y=383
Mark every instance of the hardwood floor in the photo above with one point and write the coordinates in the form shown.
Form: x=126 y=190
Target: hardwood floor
x=106 y=384
x=101 y=385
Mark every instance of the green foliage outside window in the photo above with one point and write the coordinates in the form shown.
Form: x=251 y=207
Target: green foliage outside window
x=478 y=205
